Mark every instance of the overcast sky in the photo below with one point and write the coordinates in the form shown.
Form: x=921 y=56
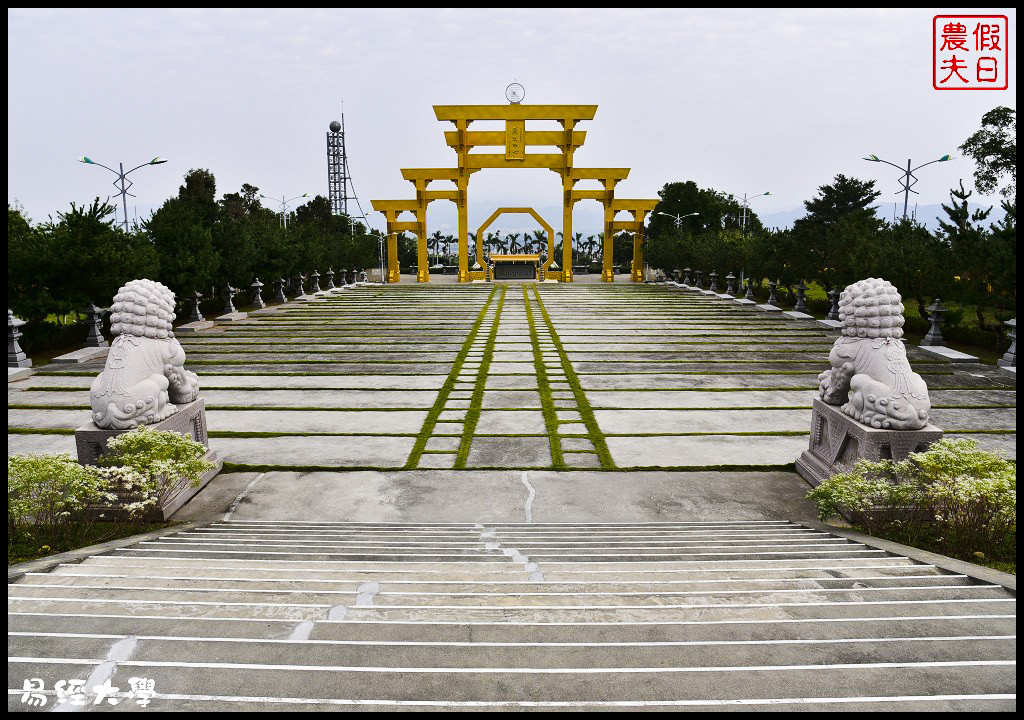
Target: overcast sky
x=738 y=100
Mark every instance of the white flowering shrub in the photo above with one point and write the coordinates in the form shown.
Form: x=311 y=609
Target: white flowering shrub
x=953 y=498
x=51 y=490
x=144 y=464
x=137 y=470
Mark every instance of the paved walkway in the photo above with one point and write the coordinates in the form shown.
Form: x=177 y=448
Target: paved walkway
x=479 y=497
x=517 y=376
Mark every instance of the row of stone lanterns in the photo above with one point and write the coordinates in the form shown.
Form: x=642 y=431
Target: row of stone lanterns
x=297 y=287
x=695 y=279
x=16 y=357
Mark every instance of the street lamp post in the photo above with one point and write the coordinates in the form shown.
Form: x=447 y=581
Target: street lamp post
x=746 y=200
x=909 y=179
x=284 y=206
x=381 y=239
x=122 y=183
x=677 y=218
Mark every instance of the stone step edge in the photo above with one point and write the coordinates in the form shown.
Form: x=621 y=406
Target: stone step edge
x=958 y=567
x=46 y=564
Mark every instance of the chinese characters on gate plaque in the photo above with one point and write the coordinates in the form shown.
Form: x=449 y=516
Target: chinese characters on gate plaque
x=970 y=52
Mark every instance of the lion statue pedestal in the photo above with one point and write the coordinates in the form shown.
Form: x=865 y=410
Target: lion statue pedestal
x=145 y=383
x=871 y=405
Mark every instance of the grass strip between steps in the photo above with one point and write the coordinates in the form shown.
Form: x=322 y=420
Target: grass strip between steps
x=544 y=389
x=477 y=399
x=449 y=384
x=582 y=405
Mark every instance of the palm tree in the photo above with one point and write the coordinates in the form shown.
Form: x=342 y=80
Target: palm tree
x=590 y=245
x=435 y=242
x=448 y=240
x=540 y=239
x=513 y=243
x=577 y=241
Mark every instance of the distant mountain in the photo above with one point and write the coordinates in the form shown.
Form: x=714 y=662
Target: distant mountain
x=927 y=215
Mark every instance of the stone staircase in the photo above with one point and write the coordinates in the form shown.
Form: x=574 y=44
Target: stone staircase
x=659 y=616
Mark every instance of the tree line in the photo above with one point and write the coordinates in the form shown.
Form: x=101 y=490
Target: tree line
x=968 y=261
x=193 y=242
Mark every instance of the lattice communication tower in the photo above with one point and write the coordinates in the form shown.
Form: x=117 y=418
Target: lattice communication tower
x=339 y=180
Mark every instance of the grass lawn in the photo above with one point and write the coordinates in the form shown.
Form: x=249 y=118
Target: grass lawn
x=977 y=558
x=32 y=543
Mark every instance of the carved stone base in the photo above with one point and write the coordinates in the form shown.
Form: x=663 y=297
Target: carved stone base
x=231 y=317
x=190 y=420
x=194 y=327
x=83 y=355
x=838 y=442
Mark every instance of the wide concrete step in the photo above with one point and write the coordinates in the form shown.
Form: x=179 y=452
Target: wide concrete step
x=501 y=576
x=595 y=569
x=471 y=654
x=508 y=587
x=924 y=624
x=719 y=609
x=201 y=678
x=1003 y=702
x=292 y=615
x=538 y=597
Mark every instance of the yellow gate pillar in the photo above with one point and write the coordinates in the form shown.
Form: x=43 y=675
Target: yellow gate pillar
x=608 y=246
x=567 y=204
x=638 y=256
x=463 y=185
x=422 y=259
x=393 y=271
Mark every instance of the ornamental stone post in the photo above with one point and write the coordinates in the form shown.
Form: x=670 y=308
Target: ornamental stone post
x=686 y=276
x=362 y=277
x=1009 y=360
x=676 y=274
x=330 y=279
x=700 y=278
x=833 y=296
x=354 y=274
x=730 y=284
x=299 y=280
x=197 y=315
x=934 y=337
x=801 y=292
x=314 y=278
x=16 y=357
x=773 y=299
x=257 y=298
x=94 y=322
x=279 y=293
x=229 y=295
x=714 y=281
x=750 y=290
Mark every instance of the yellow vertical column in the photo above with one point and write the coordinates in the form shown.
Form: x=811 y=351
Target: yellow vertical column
x=393 y=272
x=638 y=256
x=422 y=259
x=463 y=183
x=567 y=203
x=608 y=246
x=390 y=216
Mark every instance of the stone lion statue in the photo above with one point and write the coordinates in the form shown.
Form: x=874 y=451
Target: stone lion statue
x=870 y=377
x=145 y=371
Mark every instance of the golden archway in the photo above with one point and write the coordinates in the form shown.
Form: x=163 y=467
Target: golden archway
x=515 y=139
x=509 y=211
